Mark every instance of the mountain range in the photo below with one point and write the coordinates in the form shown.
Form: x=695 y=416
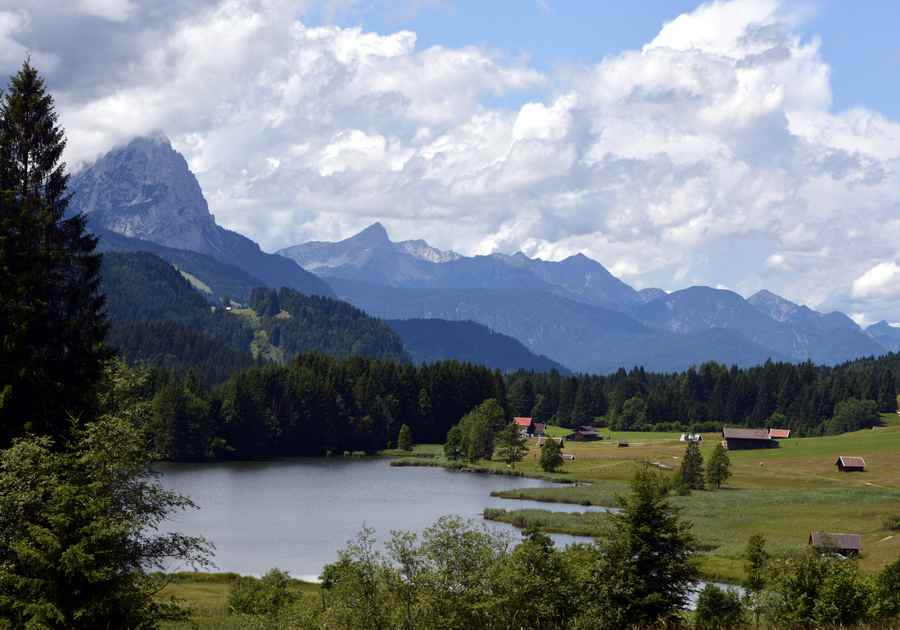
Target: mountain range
x=574 y=312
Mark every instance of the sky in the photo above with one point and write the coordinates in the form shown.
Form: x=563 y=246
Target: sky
x=743 y=144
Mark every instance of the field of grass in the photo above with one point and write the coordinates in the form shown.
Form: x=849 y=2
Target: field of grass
x=206 y=596
x=783 y=493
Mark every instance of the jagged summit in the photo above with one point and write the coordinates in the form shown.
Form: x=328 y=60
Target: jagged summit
x=375 y=233
x=145 y=190
x=369 y=247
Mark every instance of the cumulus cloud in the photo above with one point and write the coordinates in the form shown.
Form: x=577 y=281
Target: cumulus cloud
x=710 y=155
x=880 y=282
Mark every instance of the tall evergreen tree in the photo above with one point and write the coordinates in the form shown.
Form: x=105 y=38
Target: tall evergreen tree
x=690 y=472
x=51 y=310
x=887 y=393
x=645 y=572
x=521 y=396
x=719 y=468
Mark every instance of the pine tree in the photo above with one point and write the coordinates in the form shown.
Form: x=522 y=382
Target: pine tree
x=691 y=471
x=887 y=394
x=719 y=468
x=51 y=307
x=581 y=407
x=404 y=438
x=521 y=397
x=541 y=411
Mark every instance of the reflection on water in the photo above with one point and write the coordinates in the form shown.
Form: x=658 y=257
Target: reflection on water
x=295 y=515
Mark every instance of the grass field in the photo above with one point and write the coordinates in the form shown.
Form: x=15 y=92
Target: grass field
x=206 y=596
x=783 y=493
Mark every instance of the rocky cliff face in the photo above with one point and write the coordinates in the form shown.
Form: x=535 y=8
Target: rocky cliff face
x=145 y=190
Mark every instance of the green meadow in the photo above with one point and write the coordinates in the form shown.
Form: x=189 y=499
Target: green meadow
x=783 y=493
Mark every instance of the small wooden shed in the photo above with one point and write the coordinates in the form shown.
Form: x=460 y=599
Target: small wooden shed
x=740 y=439
x=844 y=544
x=850 y=464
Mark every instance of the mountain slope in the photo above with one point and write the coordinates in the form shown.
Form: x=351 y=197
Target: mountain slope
x=145 y=190
x=580 y=336
x=430 y=340
x=885 y=335
x=158 y=318
x=215 y=279
x=826 y=337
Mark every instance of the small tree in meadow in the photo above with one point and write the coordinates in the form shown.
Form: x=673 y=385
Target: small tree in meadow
x=551 y=455
x=404 y=438
x=690 y=473
x=510 y=444
x=719 y=468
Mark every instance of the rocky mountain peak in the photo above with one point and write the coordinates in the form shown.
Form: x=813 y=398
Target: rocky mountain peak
x=146 y=190
x=375 y=234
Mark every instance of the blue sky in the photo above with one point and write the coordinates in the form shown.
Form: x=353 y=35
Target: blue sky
x=859 y=37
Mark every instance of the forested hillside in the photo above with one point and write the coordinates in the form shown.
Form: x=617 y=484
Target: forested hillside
x=214 y=279
x=159 y=319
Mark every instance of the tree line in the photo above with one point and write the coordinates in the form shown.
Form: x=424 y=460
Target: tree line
x=316 y=405
x=803 y=397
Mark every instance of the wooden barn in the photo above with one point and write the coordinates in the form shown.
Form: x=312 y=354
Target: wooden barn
x=850 y=464
x=739 y=439
x=584 y=434
x=844 y=544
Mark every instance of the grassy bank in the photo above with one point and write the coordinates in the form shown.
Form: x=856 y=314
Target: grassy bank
x=206 y=596
x=783 y=493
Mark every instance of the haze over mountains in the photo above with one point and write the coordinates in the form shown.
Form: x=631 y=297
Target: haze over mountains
x=575 y=312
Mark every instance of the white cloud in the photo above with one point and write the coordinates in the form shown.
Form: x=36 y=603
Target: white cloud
x=711 y=155
x=880 y=282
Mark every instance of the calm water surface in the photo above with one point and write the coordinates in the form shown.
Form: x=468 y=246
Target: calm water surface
x=295 y=515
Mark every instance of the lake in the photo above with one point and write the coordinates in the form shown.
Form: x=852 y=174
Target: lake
x=295 y=515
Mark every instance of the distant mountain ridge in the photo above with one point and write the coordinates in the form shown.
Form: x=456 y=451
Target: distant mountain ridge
x=144 y=190
x=576 y=312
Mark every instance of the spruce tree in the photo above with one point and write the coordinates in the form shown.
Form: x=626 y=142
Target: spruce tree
x=691 y=471
x=645 y=572
x=51 y=310
x=719 y=468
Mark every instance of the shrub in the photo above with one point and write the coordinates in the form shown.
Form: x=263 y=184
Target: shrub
x=266 y=596
x=718 y=608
